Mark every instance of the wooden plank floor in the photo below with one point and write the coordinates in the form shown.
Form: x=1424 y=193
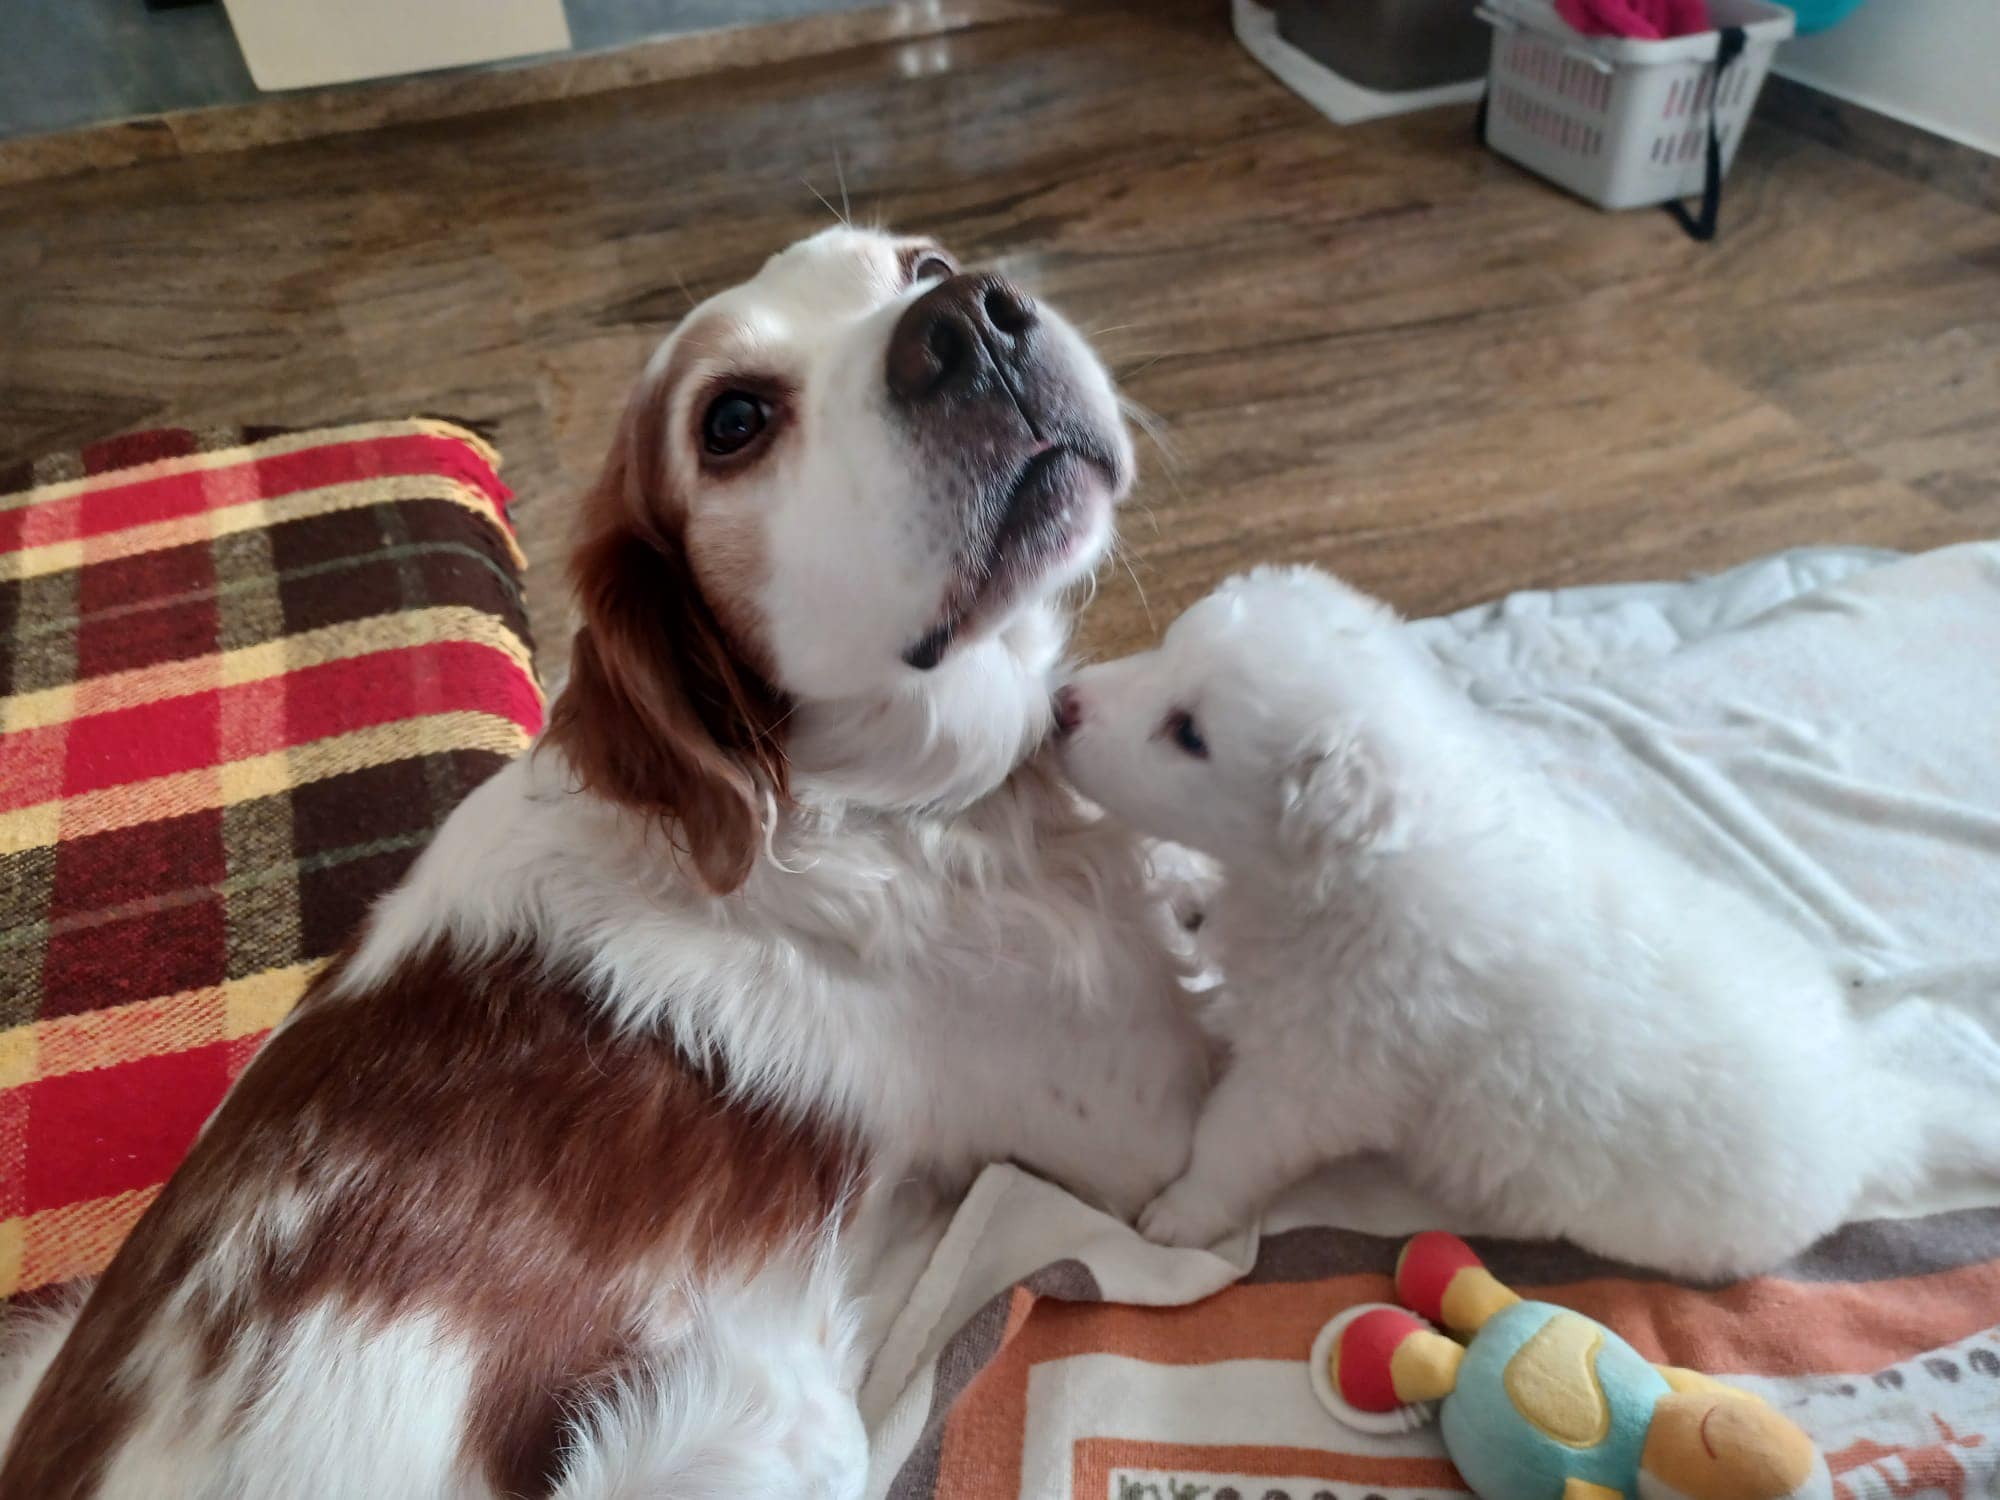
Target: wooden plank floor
x=1378 y=347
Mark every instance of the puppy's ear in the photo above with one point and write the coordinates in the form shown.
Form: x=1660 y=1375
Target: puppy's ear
x=1336 y=799
x=661 y=712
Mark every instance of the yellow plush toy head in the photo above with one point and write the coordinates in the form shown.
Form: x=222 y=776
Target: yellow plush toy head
x=1723 y=1444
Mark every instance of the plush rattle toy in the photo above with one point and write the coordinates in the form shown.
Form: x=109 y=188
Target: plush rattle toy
x=1540 y=1403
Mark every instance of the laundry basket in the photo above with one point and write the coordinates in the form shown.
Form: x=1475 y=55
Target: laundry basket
x=1620 y=122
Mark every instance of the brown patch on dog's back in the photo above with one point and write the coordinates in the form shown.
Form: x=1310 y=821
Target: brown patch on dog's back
x=466 y=1138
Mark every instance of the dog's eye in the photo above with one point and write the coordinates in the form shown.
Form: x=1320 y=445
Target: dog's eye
x=1180 y=728
x=735 y=420
x=931 y=268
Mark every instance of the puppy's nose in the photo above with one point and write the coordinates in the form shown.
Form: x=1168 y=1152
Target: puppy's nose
x=955 y=333
x=1069 y=709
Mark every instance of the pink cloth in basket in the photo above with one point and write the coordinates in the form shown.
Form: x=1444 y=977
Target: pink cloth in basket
x=1645 y=20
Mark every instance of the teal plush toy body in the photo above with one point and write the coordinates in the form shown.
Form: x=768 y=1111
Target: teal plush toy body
x=1541 y=1403
x=1508 y=1453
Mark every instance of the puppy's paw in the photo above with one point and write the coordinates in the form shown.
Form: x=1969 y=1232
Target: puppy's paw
x=1187 y=1218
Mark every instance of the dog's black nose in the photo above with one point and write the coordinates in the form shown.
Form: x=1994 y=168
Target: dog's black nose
x=956 y=332
x=1069 y=709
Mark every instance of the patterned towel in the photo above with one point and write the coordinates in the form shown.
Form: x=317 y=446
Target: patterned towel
x=1088 y=1377
x=243 y=676
x=1818 y=729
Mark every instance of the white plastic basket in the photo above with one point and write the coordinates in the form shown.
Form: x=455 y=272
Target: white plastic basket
x=1622 y=123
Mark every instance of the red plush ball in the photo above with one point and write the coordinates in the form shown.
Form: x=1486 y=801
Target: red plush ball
x=1425 y=1269
x=1361 y=1372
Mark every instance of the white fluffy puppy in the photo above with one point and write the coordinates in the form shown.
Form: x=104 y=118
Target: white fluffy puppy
x=1554 y=1025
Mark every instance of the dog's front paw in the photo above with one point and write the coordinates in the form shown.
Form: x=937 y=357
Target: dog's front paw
x=1183 y=1217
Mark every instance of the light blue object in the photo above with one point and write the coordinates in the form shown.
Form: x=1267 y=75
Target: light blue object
x=1504 y=1456
x=1817 y=15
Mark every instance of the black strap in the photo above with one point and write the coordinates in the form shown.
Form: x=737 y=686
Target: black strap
x=1728 y=47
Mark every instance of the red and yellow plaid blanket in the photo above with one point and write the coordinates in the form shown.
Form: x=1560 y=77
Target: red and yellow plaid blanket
x=243 y=676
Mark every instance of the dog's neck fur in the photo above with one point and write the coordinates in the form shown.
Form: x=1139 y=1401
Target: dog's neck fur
x=939 y=740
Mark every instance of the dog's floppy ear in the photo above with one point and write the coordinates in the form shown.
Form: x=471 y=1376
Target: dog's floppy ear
x=1336 y=799
x=661 y=712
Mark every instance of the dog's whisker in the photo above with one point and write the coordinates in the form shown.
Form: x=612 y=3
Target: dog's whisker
x=839 y=217
x=1124 y=558
x=1137 y=370
x=840 y=176
x=1151 y=422
x=779 y=722
x=1151 y=515
x=681 y=282
x=1153 y=426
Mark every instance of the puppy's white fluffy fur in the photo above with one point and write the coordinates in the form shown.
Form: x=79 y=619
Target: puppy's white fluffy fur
x=1553 y=1024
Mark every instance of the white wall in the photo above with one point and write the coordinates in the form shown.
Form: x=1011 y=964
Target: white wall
x=1932 y=63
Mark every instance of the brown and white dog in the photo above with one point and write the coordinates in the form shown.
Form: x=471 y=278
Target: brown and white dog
x=551 y=1186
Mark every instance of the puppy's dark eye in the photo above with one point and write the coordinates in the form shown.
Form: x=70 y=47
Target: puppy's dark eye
x=1180 y=728
x=735 y=420
x=931 y=268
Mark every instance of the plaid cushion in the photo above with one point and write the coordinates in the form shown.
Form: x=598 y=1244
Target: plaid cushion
x=243 y=676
